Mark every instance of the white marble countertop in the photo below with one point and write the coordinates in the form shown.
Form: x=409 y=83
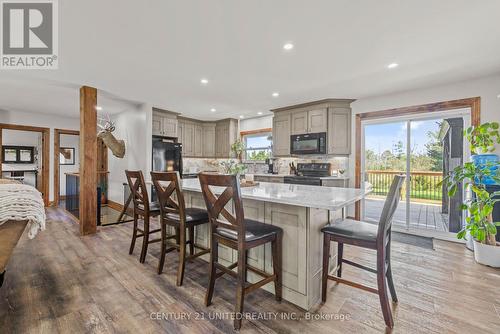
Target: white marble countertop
x=330 y=198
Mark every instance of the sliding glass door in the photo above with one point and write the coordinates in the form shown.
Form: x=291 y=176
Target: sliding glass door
x=423 y=149
x=385 y=156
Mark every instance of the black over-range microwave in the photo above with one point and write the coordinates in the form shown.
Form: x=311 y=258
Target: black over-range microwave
x=309 y=143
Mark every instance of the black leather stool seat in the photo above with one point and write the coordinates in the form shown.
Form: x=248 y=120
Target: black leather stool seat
x=154 y=207
x=254 y=230
x=349 y=228
x=194 y=216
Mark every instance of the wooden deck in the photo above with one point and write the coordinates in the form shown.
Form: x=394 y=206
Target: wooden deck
x=63 y=283
x=422 y=215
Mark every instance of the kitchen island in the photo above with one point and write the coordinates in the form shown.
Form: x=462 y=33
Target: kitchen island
x=301 y=211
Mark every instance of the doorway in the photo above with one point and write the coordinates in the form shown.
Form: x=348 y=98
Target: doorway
x=25 y=166
x=66 y=160
x=423 y=148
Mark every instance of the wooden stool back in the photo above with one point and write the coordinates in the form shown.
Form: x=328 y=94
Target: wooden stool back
x=138 y=188
x=167 y=184
x=390 y=206
x=216 y=205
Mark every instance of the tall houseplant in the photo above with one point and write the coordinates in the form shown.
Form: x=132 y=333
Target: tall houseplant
x=472 y=175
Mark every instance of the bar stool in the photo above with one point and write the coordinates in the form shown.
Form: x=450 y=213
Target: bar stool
x=240 y=234
x=174 y=213
x=371 y=236
x=142 y=208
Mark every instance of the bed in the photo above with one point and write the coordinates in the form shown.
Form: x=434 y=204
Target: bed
x=20 y=206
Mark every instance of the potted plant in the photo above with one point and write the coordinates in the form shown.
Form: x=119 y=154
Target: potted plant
x=234 y=166
x=475 y=176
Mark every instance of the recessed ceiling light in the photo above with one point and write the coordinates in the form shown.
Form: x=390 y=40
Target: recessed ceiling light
x=498 y=96
x=213 y=110
x=204 y=81
x=259 y=113
x=276 y=94
x=392 y=65
x=98 y=108
x=288 y=46
x=241 y=116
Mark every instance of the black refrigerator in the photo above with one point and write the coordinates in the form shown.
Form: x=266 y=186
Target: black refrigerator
x=167 y=156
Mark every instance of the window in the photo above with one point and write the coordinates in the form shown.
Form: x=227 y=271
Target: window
x=257 y=145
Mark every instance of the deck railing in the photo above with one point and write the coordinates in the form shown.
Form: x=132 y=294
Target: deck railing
x=424 y=185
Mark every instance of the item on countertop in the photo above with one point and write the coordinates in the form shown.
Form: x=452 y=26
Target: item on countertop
x=293 y=168
x=244 y=183
x=249 y=177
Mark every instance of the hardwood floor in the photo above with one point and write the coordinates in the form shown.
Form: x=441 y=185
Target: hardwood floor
x=63 y=283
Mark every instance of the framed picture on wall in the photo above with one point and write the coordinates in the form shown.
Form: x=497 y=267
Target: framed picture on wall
x=66 y=156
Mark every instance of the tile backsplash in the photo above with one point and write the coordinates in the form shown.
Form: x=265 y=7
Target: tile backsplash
x=283 y=164
x=195 y=165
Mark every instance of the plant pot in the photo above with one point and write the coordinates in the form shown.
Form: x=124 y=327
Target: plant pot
x=487 y=254
x=469 y=243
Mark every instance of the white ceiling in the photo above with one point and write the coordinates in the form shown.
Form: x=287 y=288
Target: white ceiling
x=157 y=52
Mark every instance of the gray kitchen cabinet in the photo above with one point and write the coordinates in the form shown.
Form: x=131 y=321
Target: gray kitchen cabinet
x=332 y=116
x=338 y=183
x=157 y=125
x=339 y=131
x=164 y=123
x=317 y=120
x=188 y=139
x=209 y=140
x=271 y=179
x=309 y=121
x=299 y=123
x=198 y=140
x=226 y=133
x=281 y=134
x=180 y=134
x=169 y=126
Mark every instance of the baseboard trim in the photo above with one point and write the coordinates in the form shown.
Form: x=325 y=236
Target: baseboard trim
x=115 y=205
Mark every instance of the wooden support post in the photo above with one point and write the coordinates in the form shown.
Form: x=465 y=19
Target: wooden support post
x=88 y=160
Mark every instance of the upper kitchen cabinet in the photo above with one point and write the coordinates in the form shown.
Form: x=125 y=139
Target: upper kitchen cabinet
x=309 y=121
x=332 y=116
x=299 y=123
x=226 y=133
x=339 y=131
x=208 y=130
x=187 y=136
x=317 y=120
x=198 y=140
x=164 y=123
x=281 y=134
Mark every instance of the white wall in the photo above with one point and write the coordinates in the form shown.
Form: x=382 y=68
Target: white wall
x=134 y=126
x=42 y=120
x=256 y=123
x=488 y=88
x=72 y=141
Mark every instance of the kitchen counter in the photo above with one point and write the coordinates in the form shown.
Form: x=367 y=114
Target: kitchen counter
x=333 y=177
x=328 y=198
x=301 y=211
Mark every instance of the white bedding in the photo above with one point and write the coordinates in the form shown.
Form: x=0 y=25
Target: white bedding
x=22 y=202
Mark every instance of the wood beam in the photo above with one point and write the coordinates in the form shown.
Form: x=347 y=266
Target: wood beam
x=88 y=160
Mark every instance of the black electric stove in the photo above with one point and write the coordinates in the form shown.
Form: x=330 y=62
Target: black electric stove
x=309 y=174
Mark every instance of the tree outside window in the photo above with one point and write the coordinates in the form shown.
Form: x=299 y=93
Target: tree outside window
x=257 y=146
